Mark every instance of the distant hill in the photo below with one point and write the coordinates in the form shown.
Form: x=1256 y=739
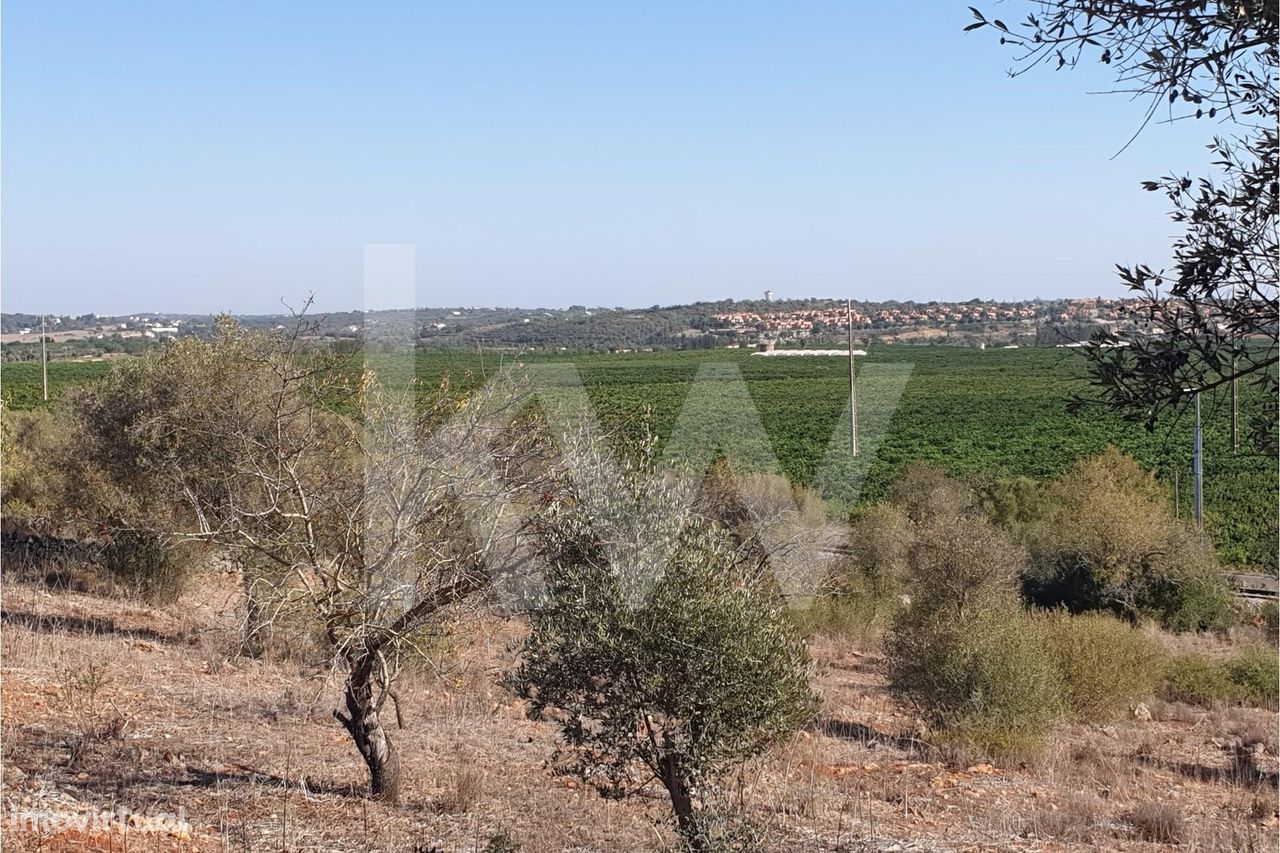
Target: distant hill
x=700 y=325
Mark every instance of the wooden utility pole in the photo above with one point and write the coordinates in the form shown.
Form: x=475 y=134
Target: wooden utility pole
x=44 y=361
x=853 y=384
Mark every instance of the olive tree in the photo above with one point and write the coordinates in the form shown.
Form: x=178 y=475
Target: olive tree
x=370 y=511
x=1211 y=321
x=655 y=644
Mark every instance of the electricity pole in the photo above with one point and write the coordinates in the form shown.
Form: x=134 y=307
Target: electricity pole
x=1235 y=377
x=853 y=384
x=44 y=362
x=1235 y=407
x=1197 y=470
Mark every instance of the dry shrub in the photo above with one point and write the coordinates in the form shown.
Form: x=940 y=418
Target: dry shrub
x=466 y=787
x=1252 y=731
x=1174 y=712
x=1087 y=753
x=1269 y=616
x=880 y=538
x=1106 y=665
x=858 y=615
x=143 y=562
x=1158 y=822
x=501 y=841
x=1079 y=819
x=863 y=585
x=927 y=494
x=95 y=720
x=1263 y=806
x=773 y=494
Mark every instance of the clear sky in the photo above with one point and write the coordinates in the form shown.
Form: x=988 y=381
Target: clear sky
x=203 y=156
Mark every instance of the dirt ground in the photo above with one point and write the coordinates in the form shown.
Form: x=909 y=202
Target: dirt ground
x=131 y=728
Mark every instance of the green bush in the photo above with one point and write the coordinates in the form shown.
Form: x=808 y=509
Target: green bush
x=975 y=665
x=1196 y=680
x=1109 y=541
x=1012 y=503
x=1106 y=665
x=988 y=682
x=1249 y=677
x=1254 y=672
x=33 y=476
x=1198 y=601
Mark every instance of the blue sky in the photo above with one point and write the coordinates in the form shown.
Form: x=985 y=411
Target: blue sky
x=223 y=156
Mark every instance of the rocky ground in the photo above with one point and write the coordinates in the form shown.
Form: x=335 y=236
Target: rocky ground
x=132 y=728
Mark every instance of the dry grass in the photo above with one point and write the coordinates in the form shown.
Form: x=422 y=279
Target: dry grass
x=1077 y=818
x=466 y=786
x=1158 y=822
x=248 y=750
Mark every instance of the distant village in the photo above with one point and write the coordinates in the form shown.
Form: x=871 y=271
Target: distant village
x=94 y=328
x=916 y=320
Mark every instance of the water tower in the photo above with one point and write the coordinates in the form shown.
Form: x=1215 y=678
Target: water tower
x=768 y=296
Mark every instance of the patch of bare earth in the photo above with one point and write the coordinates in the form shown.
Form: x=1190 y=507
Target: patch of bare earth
x=130 y=728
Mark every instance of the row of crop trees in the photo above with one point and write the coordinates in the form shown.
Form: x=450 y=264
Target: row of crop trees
x=665 y=636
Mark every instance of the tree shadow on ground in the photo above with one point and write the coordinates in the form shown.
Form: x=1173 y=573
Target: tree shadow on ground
x=81 y=625
x=866 y=735
x=1243 y=773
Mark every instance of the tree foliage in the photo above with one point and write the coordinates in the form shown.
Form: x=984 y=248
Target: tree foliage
x=986 y=413
x=1215 y=321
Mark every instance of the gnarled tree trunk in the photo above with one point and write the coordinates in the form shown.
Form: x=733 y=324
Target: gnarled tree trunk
x=673 y=779
x=363 y=723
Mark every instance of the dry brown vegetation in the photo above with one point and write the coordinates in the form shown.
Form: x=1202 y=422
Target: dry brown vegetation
x=111 y=704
